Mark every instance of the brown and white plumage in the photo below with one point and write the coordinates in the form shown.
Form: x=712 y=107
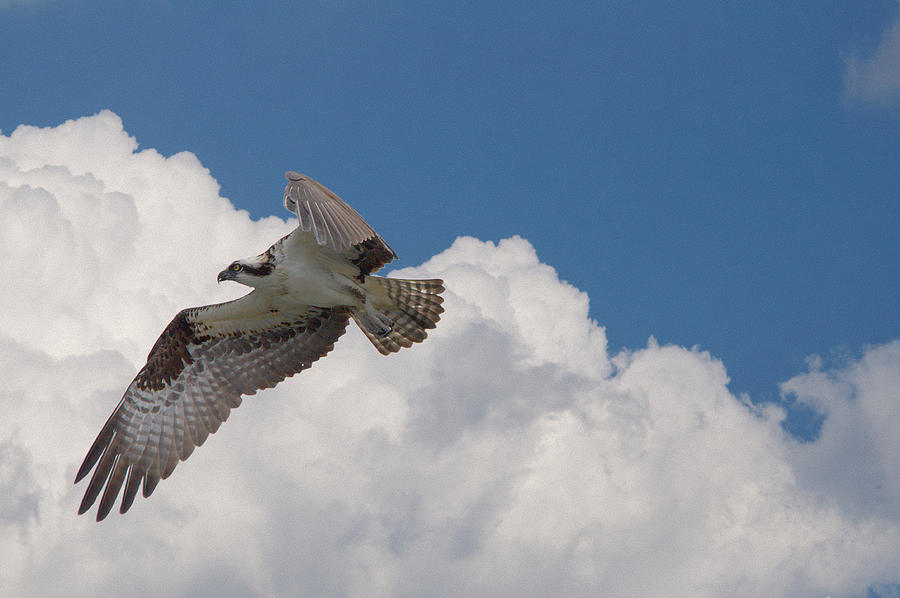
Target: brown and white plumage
x=326 y=215
x=306 y=288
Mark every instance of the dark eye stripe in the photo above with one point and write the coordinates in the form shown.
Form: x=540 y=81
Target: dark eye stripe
x=261 y=270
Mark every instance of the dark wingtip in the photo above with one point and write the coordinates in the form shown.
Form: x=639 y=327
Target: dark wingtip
x=131 y=489
x=92 y=457
x=81 y=473
x=97 y=448
x=150 y=482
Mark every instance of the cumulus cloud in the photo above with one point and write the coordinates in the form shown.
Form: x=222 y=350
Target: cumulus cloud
x=854 y=462
x=876 y=78
x=510 y=454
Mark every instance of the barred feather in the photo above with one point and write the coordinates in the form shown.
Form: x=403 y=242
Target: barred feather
x=193 y=378
x=412 y=307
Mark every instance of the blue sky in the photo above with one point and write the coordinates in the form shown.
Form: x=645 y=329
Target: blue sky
x=699 y=169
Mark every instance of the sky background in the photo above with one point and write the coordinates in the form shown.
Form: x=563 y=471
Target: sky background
x=721 y=178
x=707 y=172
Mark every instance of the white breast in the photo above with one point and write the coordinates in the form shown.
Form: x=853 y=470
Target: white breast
x=312 y=274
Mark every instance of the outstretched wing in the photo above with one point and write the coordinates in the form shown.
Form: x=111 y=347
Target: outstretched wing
x=195 y=374
x=330 y=219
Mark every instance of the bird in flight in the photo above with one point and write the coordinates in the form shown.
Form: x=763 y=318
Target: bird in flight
x=306 y=288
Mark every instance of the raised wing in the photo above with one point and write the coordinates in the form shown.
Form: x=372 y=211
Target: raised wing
x=327 y=216
x=195 y=374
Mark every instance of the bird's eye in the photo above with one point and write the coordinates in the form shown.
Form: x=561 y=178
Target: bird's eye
x=236 y=267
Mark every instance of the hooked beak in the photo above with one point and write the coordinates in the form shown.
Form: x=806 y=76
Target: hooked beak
x=226 y=274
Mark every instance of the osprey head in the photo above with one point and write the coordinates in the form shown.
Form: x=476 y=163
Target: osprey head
x=251 y=272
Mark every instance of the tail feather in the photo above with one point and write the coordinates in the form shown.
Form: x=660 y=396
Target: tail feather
x=398 y=311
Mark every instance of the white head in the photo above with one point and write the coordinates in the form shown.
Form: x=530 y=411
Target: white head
x=253 y=271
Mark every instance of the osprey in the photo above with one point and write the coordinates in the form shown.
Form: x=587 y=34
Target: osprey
x=306 y=287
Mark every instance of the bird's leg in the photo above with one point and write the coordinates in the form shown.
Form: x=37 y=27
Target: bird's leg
x=382 y=324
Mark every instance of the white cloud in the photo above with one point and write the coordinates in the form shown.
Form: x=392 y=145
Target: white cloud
x=854 y=462
x=876 y=79
x=507 y=455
